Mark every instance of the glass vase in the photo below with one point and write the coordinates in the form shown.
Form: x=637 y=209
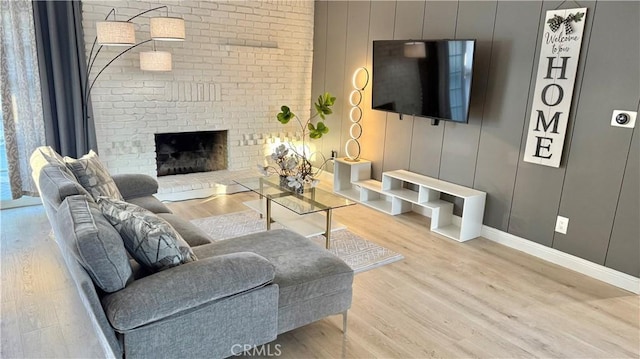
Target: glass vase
x=284 y=183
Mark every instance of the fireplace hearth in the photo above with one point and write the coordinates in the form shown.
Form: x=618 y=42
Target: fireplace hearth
x=190 y=152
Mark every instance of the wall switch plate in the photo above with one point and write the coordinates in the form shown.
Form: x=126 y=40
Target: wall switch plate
x=562 y=223
x=631 y=115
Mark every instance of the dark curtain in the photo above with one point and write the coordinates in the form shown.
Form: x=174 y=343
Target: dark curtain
x=62 y=62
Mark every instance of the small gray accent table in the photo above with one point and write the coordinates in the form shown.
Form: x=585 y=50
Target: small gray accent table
x=306 y=206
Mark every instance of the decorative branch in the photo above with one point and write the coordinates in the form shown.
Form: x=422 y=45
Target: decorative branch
x=296 y=166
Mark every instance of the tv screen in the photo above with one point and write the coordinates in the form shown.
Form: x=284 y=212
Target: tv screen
x=427 y=78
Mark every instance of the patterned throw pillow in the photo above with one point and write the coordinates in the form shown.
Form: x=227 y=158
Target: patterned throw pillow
x=93 y=176
x=151 y=240
x=51 y=156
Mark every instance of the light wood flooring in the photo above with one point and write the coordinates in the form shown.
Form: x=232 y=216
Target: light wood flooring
x=41 y=313
x=445 y=299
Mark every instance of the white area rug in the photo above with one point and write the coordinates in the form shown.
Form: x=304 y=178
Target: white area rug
x=360 y=254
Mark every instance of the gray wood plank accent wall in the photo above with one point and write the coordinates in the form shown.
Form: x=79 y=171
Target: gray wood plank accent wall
x=596 y=186
x=407 y=25
x=599 y=152
x=505 y=108
x=460 y=145
x=439 y=23
x=623 y=254
x=536 y=196
x=374 y=123
x=356 y=57
x=335 y=73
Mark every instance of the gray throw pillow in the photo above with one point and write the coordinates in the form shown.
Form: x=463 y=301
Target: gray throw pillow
x=93 y=176
x=150 y=240
x=96 y=244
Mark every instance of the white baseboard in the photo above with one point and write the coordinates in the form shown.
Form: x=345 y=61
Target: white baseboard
x=607 y=275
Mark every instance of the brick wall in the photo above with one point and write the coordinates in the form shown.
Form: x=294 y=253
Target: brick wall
x=240 y=62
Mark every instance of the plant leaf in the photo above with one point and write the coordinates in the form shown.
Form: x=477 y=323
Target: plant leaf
x=317 y=132
x=319 y=110
x=323 y=106
x=322 y=128
x=578 y=16
x=329 y=100
x=285 y=116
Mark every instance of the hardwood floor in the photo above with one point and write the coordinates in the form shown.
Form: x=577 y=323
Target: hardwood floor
x=445 y=299
x=40 y=309
x=454 y=300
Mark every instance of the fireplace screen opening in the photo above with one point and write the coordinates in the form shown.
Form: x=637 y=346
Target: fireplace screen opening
x=190 y=152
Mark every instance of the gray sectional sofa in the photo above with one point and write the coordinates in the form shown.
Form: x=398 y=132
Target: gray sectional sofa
x=240 y=292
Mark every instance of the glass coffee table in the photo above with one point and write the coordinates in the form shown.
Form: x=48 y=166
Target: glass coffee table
x=308 y=213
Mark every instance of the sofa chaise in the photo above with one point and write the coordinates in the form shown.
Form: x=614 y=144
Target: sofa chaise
x=239 y=293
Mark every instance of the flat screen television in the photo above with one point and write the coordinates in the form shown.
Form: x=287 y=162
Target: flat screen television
x=427 y=78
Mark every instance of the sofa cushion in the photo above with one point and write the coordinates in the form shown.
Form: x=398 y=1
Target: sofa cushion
x=149 y=239
x=135 y=185
x=56 y=183
x=93 y=176
x=191 y=234
x=186 y=288
x=95 y=243
x=304 y=270
x=150 y=203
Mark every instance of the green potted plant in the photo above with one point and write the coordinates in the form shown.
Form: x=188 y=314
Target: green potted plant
x=293 y=166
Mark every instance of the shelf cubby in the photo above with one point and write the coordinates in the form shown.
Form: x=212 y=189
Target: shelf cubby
x=377 y=200
x=402 y=191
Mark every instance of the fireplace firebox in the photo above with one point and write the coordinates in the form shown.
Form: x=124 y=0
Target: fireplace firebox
x=190 y=152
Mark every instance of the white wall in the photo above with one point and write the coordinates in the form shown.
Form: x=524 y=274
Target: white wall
x=239 y=63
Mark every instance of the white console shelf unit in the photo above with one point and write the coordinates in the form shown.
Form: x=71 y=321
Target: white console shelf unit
x=403 y=191
x=345 y=173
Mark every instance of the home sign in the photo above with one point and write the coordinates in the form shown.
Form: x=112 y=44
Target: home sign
x=559 y=53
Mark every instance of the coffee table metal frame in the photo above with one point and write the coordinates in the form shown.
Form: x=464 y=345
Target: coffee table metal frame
x=309 y=197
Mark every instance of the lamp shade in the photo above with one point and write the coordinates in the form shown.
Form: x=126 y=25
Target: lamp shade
x=415 y=50
x=155 y=61
x=167 y=28
x=115 y=33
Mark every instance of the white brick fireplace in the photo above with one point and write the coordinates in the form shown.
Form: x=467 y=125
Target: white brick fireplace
x=240 y=62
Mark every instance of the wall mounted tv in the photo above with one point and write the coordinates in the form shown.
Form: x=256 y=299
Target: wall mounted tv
x=427 y=78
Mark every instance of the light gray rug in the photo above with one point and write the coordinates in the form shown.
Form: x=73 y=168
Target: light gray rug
x=360 y=254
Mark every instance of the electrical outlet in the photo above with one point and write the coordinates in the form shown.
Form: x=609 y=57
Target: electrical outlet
x=562 y=223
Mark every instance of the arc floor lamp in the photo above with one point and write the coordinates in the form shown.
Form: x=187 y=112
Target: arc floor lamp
x=122 y=33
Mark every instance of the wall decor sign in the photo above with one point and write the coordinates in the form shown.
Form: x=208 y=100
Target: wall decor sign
x=559 y=53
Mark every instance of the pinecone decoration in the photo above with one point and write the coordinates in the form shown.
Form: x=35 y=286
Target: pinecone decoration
x=567 y=27
x=554 y=24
